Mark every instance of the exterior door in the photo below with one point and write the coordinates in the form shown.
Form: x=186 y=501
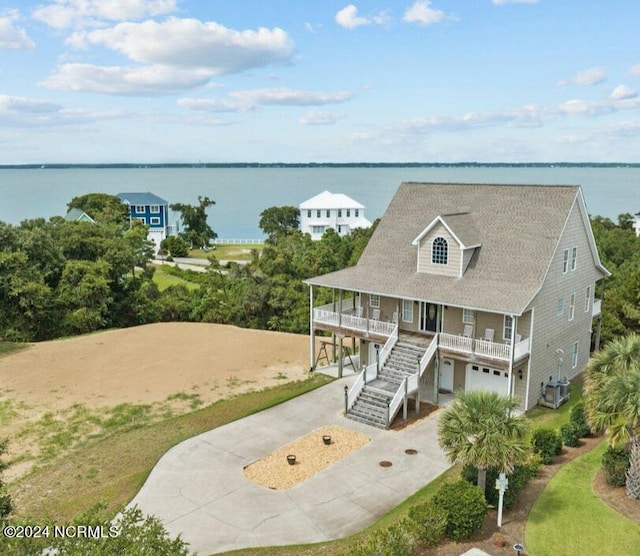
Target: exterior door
x=428 y=316
x=445 y=380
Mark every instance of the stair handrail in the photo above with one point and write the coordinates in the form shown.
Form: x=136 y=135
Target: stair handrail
x=428 y=355
x=385 y=352
x=355 y=390
x=396 y=402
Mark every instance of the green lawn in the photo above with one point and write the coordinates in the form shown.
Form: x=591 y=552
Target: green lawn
x=228 y=252
x=568 y=518
x=164 y=280
x=6 y=347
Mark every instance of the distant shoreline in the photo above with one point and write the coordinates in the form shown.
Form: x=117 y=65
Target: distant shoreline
x=127 y=165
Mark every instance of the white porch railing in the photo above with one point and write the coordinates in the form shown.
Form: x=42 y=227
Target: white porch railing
x=370 y=372
x=349 y=321
x=484 y=348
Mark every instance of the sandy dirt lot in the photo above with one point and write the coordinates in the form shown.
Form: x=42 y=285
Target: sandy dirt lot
x=142 y=365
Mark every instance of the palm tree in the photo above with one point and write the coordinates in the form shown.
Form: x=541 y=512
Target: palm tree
x=480 y=428
x=612 y=397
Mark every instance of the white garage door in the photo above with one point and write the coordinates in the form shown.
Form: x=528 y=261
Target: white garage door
x=485 y=378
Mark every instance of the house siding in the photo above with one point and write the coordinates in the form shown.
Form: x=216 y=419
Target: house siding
x=556 y=332
x=452 y=268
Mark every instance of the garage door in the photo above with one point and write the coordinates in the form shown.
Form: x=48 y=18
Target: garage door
x=485 y=378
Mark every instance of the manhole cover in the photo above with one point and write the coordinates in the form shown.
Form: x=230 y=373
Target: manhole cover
x=411 y=452
x=385 y=464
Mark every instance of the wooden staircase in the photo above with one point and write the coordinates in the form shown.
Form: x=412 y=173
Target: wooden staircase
x=372 y=405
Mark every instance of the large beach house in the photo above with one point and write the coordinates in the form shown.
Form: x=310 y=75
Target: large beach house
x=150 y=210
x=331 y=210
x=468 y=286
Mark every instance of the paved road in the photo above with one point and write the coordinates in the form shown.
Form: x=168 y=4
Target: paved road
x=198 y=488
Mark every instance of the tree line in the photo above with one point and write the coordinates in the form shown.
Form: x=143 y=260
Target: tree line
x=60 y=278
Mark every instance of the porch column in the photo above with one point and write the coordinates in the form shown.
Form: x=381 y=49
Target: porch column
x=340 y=355
x=312 y=335
x=333 y=334
x=514 y=327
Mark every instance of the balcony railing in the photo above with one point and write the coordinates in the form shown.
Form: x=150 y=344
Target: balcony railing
x=348 y=320
x=484 y=348
x=596 y=310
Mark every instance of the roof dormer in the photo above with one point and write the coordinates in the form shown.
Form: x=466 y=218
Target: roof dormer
x=447 y=244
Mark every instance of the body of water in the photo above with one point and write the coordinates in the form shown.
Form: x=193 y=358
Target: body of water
x=241 y=194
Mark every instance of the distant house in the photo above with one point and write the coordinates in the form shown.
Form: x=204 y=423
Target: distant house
x=150 y=210
x=78 y=215
x=331 y=210
x=468 y=287
x=637 y=225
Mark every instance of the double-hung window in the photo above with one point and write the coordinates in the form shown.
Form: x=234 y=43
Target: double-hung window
x=507 y=329
x=374 y=301
x=587 y=299
x=574 y=355
x=407 y=310
x=572 y=306
x=468 y=316
x=574 y=258
x=565 y=261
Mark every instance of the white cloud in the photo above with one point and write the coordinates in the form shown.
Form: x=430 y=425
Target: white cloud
x=421 y=12
x=321 y=117
x=244 y=101
x=11 y=36
x=622 y=92
x=190 y=43
x=635 y=70
x=62 y=14
x=115 y=80
x=591 y=76
x=348 y=18
x=503 y=2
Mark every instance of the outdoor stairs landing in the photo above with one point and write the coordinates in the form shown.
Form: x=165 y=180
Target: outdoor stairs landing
x=371 y=405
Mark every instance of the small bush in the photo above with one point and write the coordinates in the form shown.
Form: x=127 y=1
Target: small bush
x=175 y=246
x=547 y=443
x=465 y=506
x=570 y=433
x=396 y=540
x=431 y=521
x=615 y=462
x=578 y=417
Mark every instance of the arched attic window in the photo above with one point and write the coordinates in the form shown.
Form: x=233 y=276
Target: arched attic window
x=439 y=251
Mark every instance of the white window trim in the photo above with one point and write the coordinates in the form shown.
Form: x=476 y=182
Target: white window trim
x=565 y=261
x=560 y=307
x=572 y=306
x=574 y=355
x=506 y=336
x=407 y=313
x=140 y=208
x=468 y=316
x=441 y=257
x=141 y=219
x=154 y=220
x=587 y=299
x=154 y=209
x=574 y=258
x=374 y=301
x=318 y=214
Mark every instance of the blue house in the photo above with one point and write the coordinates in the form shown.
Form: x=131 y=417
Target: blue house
x=150 y=210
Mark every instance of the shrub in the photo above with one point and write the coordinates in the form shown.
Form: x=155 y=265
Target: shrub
x=431 y=521
x=396 y=540
x=465 y=506
x=615 y=462
x=520 y=477
x=570 y=433
x=175 y=246
x=578 y=417
x=547 y=443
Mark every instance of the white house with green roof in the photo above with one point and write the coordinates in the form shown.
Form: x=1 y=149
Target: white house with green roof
x=468 y=286
x=331 y=210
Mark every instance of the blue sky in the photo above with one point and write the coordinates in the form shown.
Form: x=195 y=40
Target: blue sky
x=319 y=81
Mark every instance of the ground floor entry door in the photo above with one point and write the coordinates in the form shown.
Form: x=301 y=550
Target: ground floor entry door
x=428 y=316
x=445 y=376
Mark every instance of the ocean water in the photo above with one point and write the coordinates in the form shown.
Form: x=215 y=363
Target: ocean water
x=241 y=194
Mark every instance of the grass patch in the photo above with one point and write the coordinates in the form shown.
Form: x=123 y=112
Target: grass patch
x=228 y=252
x=554 y=418
x=568 y=518
x=164 y=280
x=114 y=467
x=8 y=347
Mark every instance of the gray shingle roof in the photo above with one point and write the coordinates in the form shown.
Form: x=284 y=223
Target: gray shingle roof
x=518 y=227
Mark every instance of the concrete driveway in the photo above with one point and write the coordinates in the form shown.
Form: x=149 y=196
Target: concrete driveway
x=199 y=491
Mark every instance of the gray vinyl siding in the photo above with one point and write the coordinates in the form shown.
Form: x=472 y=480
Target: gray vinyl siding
x=452 y=268
x=552 y=331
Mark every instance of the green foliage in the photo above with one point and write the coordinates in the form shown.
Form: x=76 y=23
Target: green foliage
x=398 y=539
x=519 y=478
x=175 y=246
x=102 y=207
x=432 y=522
x=615 y=462
x=465 y=506
x=570 y=434
x=578 y=417
x=547 y=443
x=131 y=534
x=6 y=505
x=278 y=221
x=197 y=232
